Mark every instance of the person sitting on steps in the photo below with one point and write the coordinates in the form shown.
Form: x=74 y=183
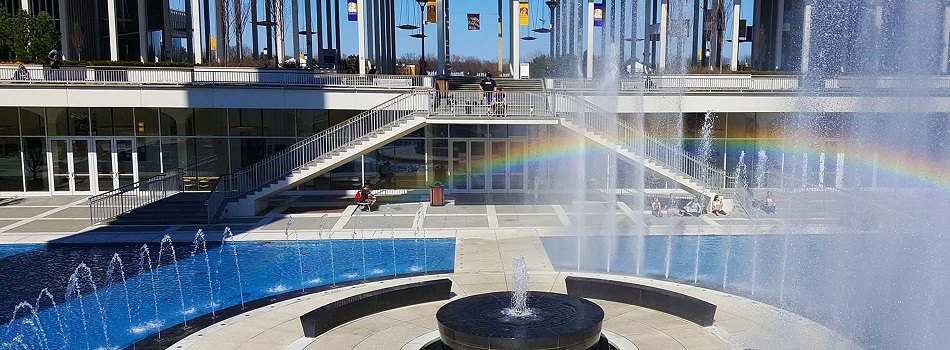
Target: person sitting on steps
x=769 y=206
x=365 y=199
x=656 y=207
x=691 y=209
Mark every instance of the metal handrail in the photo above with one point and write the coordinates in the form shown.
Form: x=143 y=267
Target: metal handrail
x=207 y=76
x=124 y=199
x=788 y=83
x=313 y=148
x=635 y=139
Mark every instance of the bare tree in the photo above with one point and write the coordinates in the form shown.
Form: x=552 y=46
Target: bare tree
x=78 y=39
x=241 y=17
x=225 y=7
x=280 y=27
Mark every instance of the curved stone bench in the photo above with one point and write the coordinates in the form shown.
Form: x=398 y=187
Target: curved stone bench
x=337 y=313
x=689 y=308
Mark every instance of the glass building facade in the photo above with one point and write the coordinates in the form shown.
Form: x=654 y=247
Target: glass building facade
x=63 y=150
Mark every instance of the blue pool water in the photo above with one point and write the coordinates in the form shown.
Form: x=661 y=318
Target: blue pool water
x=98 y=313
x=881 y=291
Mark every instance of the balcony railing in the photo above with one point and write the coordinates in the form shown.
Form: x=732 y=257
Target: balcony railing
x=207 y=76
x=765 y=83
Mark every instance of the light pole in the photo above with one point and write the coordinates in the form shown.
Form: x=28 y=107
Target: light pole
x=422 y=9
x=552 y=4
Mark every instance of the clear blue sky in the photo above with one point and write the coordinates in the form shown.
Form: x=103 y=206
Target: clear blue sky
x=484 y=43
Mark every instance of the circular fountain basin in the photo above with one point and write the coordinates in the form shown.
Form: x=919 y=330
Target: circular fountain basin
x=554 y=321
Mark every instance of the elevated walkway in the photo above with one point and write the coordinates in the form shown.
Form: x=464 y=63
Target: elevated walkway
x=509 y=84
x=244 y=192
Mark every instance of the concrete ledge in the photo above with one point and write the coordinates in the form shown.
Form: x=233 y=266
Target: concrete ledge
x=337 y=313
x=689 y=308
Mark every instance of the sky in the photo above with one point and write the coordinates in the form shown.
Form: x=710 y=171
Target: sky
x=484 y=43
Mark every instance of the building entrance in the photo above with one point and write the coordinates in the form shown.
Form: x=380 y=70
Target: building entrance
x=487 y=166
x=84 y=165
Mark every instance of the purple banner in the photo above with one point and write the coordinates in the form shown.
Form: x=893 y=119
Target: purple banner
x=598 y=15
x=352 y=12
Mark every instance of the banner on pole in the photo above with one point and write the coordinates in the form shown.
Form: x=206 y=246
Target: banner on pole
x=598 y=15
x=523 y=17
x=352 y=12
x=474 y=21
x=430 y=12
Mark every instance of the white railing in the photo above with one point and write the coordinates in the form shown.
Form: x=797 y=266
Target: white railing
x=207 y=76
x=479 y=104
x=764 y=83
x=322 y=145
x=636 y=140
x=124 y=199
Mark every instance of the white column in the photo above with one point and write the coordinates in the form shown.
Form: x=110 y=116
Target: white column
x=64 y=28
x=514 y=43
x=113 y=31
x=821 y=170
x=946 y=39
x=664 y=23
x=806 y=38
x=590 y=39
x=25 y=5
x=780 y=24
x=361 y=34
x=196 y=29
x=839 y=171
x=220 y=43
x=734 y=60
x=441 y=34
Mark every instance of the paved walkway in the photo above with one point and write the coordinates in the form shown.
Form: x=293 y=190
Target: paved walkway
x=66 y=220
x=483 y=264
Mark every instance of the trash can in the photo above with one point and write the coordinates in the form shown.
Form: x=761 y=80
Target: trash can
x=436 y=195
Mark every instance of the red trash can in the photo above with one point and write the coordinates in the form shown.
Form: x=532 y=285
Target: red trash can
x=436 y=196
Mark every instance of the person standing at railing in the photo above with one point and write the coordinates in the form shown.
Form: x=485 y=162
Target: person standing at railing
x=498 y=103
x=55 y=57
x=21 y=72
x=487 y=86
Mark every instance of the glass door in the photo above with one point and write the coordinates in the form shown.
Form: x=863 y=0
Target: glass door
x=116 y=162
x=516 y=169
x=459 y=170
x=108 y=177
x=71 y=164
x=478 y=177
x=126 y=162
x=499 y=168
x=469 y=166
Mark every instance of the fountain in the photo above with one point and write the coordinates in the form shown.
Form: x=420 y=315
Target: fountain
x=520 y=319
x=200 y=242
x=168 y=244
x=226 y=238
x=110 y=278
x=291 y=230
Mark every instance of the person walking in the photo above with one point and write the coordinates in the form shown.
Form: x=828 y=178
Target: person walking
x=55 y=57
x=488 y=86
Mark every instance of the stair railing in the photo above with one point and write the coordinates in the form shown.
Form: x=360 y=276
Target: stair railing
x=635 y=139
x=124 y=199
x=322 y=145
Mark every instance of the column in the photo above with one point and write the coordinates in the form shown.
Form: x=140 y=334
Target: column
x=441 y=34
x=623 y=34
x=806 y=38
x=647 y=32
x=946 y=40
x=221 y=43
x=839 y=171
x=734 y=60
x=579 y=39
x=309 y=28
x=590 y=39
x=195 y=25
x=697 y=10
x=780 y=33
x=189 y=39
x=360 y=34
x=295 y=29
x=514 y=39
x=166 y=33
x=64 y=28
x=664 y=23
x=633 y=32
x=25 y=5
x=255 y=44
x=321 y=31
x=339 y=53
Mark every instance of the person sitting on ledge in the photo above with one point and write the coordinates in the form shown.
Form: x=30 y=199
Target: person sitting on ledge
x=769 y=206
x=365 y=199
x=656 y=207
x=691 y=209
x=717 y=206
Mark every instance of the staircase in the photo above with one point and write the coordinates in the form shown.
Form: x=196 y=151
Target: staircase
x=242 y=193
x=509 y=84
x=179 y=209
x=634 y=145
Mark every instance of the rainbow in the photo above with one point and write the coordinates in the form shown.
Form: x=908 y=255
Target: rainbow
x=905 y=165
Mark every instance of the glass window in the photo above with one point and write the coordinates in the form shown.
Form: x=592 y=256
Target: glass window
x=211 y=122
x=278 y=122
x=438 y=130
x=337 y=116
x=406 y=165
x=440 y=160
x=176 y=152
x=33 y=121
x=310 y=122
x=245 y=152
x=102 y=123
x=146 y=122
x=123 y=122
x=177 y=122
x=68 y=121
x=35 y=161
x=498 y=131
x=211 y=161
x=11 y=171
x=150 y=160
x=9 y=121
x=246 y=122
x=467 y=130
x=348 y=176
x=517 y=131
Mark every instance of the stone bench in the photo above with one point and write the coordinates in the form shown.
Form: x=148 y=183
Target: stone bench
x=337 y=313
x=689 y=308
